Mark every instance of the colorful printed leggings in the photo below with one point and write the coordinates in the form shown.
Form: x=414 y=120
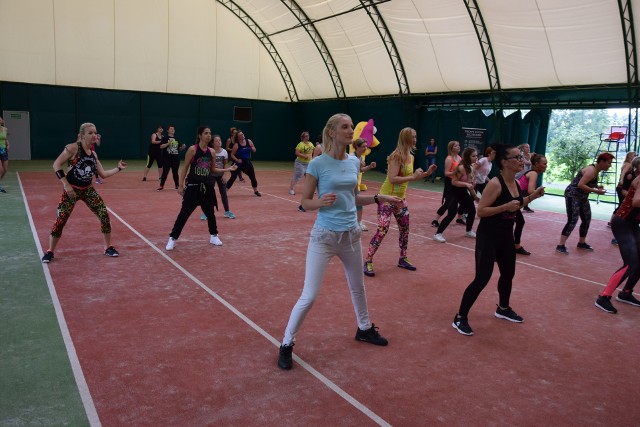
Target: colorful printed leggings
x=385 y=210
x=577 y=208
x=92 y=200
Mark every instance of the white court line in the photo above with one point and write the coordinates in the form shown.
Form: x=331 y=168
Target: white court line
x=326 y=381
x=81 y=382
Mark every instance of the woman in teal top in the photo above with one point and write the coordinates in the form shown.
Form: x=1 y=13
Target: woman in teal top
x=4 y=152
x=334 y=175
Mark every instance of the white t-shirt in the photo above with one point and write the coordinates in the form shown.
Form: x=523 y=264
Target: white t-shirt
x=221 y=160
x=483 y=170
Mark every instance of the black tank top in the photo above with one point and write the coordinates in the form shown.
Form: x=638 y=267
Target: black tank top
x=200 y=169
x=83 y=167
x=503 y=220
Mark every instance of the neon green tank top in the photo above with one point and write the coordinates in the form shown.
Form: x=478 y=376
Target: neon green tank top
x=397 y=190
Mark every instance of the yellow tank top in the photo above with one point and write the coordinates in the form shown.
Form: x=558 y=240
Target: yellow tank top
x=397 y=190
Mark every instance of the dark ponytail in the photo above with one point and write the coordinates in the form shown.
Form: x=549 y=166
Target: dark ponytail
x=502 y=151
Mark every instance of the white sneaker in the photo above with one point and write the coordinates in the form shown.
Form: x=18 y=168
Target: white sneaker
x=215 y=240
x=171 y=244
x=439 y=238
x=470 y=234
x=363 y=226
x=292 y=192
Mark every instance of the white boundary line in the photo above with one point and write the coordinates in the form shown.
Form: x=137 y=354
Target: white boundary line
x=326 y=381
x=83 y=388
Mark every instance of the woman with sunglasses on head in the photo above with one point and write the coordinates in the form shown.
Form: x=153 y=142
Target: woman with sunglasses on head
x=334 y=175
x=576 y=198
x=494 y=242
x=400 y=173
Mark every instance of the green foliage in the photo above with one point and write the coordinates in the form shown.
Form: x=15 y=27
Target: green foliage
x=574 y=136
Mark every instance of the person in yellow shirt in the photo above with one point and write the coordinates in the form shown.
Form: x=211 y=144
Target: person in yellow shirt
x=304 y=154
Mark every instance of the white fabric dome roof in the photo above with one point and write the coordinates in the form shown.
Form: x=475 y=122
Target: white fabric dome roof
x=215 y=48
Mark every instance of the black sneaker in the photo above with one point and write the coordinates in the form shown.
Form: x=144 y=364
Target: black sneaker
x=614 y=242
x=285 y=359
x=435 y=223
x=522 y=251
x=301 y=209
x=111 y=251
x=144 y=178
x=623 y=296
x=257 y=193
x=562 y=249
x=371 y=336
x=508 y=314
x=461 y=221
x=528 y=209
x=48 y=257
x=462 y=325
x=584 y=246
x=604 y=304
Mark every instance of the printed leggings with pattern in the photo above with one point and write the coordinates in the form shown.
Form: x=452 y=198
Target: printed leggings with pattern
x=577 y=208
x=385 y=211
x=92 y=200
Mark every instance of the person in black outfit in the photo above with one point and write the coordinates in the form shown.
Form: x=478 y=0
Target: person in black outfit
x=170 y=156
x=196 y=186
x=241 y=155
x=494 y=242
x=155 y=153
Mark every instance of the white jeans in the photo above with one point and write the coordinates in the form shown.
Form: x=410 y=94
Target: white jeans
x=324 y=245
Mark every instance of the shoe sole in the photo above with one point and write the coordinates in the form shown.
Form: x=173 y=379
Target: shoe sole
x=467 y=334
x=605 y=310
x=439 y=241
x=500 y=316
x=563 y=253
x=112 y=256
x=407 y=268
x=627 y=302
x=369 y=274
x=585 y=249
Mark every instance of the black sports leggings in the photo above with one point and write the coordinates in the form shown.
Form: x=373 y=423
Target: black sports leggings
x=627 y=233
x=459 y=200
x=492 y=245
x=517 y=232
x=247 y=167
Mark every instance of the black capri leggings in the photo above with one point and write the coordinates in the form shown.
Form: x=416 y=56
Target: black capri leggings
x=247 y=167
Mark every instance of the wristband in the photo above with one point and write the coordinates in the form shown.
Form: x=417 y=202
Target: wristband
x=60 y=174
x=375 y=199
x=119 y=168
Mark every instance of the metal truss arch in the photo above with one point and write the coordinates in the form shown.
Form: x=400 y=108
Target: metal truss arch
x=266 y=42
x=394 y=56
x=631 y=56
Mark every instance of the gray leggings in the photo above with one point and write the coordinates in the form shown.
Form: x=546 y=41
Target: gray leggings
x=577 y=207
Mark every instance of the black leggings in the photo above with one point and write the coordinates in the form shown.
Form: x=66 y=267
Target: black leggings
x=459 y=201
x=492 y=245
x=196 y=195
x=247 y=167
x=517 y=232
x=627 y=234
x=577 y=207
x=222 y=188
x=170 y=161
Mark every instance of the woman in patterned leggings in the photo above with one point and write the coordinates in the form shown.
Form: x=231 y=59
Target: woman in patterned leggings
x=76 y=183
x=577 y=200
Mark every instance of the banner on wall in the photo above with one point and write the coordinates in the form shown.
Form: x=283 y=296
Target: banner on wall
x=475 y=138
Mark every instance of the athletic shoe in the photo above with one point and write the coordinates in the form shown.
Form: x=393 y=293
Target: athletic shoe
x=528 y=209
x=160 y=188
x=48 y=257
x=257 y=193
x=604 y=304
x=522 y=251
x=363 y=226
x=144 y=178
x=2 y=190
x=203 y=217
x=438 y=237
x=461 y=324
x=461 y=221
x=215 y=240
x=285 y=357
x=176 y=187
x=562 y=249
x=614 y=242
x=470 y=234
x=98 y=181
x=241 y=178
x=585 y=246
x=229 y=214
x=406 y=264
x=371 y=335
x=608 y=225
x=111 y=251
x=301 y=209
x=623 y=296
x=508 y=314
x=171 y=244
x=368 y=269
x=435 y=223
x=292 y=192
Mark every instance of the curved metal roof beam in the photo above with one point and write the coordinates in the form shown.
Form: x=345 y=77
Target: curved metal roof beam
x=628 y=32
x=266 y=42
x=307 y=24
x=487 y=49
x=389 y=44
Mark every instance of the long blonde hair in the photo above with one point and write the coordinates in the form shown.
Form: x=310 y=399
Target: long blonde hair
x=450 y=146
x=82 y=130
x=404 y=149
x=332 y=124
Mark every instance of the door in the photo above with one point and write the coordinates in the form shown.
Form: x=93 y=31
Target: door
x=19 y=134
